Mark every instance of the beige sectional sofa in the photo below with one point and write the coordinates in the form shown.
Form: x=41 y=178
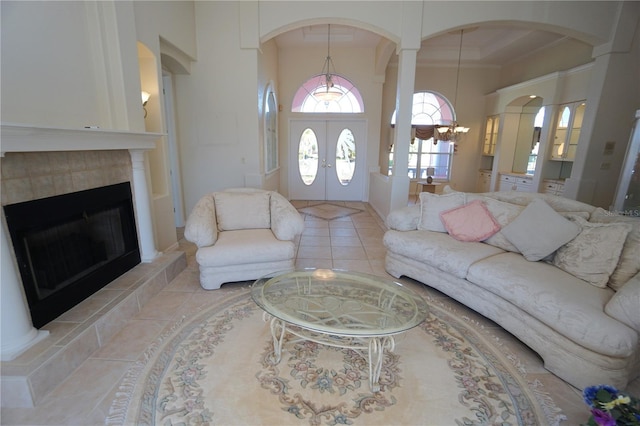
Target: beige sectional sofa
x=560 y=275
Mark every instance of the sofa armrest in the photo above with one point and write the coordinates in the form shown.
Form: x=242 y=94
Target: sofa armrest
x=202 y=228
x=404 y=219
x=286 y=222
x=625 y=304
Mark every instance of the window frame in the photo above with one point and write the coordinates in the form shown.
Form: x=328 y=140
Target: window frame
x=271 y=149
x=416 y=173
x=424 y=113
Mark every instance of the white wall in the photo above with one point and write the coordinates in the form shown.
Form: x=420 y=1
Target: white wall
x=48 y=75
x=217 y=106
x=267 y=75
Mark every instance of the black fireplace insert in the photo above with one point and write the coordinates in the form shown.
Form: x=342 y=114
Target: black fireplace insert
x=70 y=246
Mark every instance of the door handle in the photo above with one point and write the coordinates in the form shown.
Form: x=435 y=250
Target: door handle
x=324 y=163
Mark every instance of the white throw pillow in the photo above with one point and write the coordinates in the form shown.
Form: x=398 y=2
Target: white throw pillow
x=624 y=305
x=504 y=214
x=431 y=205
x=629 y=263
x=539 y=231
x=593 y=255
x=242 y=210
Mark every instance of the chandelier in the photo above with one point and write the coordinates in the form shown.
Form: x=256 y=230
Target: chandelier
x=326 y=92
x=453 y=132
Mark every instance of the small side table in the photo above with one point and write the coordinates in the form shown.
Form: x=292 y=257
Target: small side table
x=428 y=187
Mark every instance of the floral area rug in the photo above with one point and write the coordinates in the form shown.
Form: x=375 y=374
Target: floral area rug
x=216 y=368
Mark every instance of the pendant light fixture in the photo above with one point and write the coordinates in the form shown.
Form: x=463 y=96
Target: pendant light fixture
x=326 y=92
x=454 y=131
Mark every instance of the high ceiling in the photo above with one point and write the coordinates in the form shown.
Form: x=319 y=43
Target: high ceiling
x=488 y=45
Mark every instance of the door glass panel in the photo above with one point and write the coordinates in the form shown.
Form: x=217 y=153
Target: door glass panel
x=345 y=157
x=559 y=149
x=308 y=156
x=574 y=134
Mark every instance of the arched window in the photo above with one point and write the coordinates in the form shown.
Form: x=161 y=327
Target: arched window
x=343 y=97
x=430 y=109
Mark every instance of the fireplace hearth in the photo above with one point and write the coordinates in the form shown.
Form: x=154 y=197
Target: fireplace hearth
x=70 y=246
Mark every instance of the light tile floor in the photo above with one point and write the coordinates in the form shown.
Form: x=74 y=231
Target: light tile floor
x=347 y=242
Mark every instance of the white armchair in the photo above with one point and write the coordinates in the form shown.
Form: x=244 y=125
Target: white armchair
x=243 y=234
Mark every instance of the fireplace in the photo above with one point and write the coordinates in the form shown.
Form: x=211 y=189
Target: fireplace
x=70 y=246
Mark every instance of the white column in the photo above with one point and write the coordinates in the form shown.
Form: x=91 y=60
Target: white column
x=148 y=250
x=412 y=13
x=404 y=101
x=18 y=332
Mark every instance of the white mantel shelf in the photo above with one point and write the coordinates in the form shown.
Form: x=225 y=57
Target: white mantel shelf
x=26 y=138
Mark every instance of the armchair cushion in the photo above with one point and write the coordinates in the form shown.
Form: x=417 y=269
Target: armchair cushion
x=245 y=247
x=242 y=210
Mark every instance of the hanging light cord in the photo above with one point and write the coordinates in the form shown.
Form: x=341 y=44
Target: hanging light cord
x=329 y=61
x=455 y=98
x=329 y=42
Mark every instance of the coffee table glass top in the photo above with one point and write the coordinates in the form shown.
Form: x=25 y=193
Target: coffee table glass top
x=340 y=303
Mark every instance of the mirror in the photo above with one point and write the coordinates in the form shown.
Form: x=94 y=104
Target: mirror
x=528 y=137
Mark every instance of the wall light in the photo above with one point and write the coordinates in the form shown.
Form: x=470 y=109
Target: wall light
x=145 y=99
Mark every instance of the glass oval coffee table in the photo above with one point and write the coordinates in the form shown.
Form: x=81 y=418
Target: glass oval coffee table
x=341 y=309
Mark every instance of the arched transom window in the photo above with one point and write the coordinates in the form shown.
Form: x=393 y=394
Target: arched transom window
x=313 y=96
x=429 y=109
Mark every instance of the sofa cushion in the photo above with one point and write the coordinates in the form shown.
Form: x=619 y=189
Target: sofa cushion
x=625 y=304
x=629 y=263
x=471 y=222
x=439 y=250
x=246 y=246
x=431 y=205
x=558 y=300
x=594 y=253
x=404 y=219
x=242 y=210
x=539 y=231
x=559 y=204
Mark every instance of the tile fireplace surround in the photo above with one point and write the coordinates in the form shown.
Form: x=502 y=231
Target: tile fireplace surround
x=41 y=162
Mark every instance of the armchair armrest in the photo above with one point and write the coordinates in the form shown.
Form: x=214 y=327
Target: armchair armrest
x=404 y=219
x=286 y=222
x=202 y=227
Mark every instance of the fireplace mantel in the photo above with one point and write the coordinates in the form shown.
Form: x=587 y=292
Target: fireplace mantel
x=27 y=138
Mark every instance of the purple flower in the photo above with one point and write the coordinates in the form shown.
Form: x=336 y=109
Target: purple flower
x=602 y=418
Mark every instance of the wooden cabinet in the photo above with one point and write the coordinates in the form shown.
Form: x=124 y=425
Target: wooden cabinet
x=491 y=135
x=553 y=186
x=484 y=181
x=567 y=132
x=515 y=183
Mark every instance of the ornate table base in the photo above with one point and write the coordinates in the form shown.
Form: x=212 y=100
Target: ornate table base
x=370 y=348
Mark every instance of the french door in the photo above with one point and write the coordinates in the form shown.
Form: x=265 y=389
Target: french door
x=327 y=159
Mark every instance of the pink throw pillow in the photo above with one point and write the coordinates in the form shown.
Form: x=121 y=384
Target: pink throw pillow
x=471 y=222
